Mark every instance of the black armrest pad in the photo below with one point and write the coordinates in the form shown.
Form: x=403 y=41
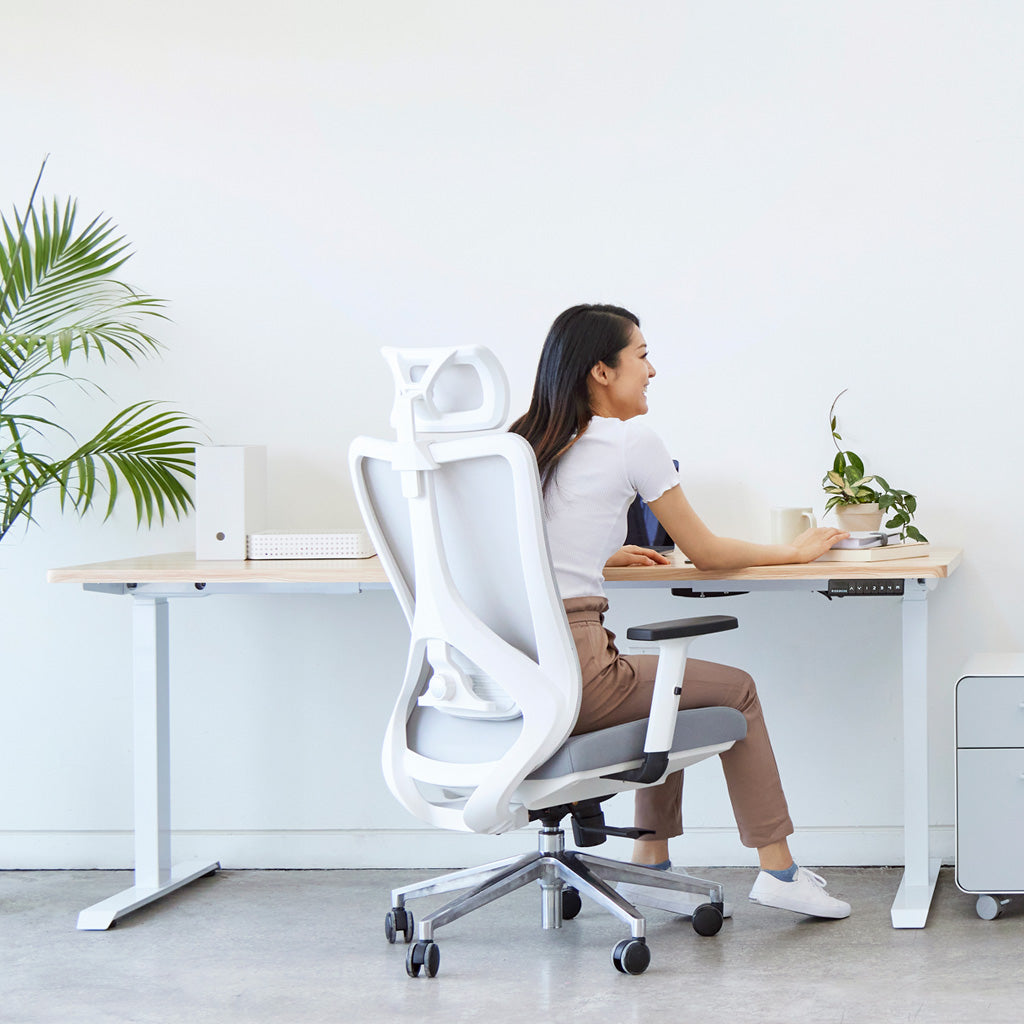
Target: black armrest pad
x=682 y=627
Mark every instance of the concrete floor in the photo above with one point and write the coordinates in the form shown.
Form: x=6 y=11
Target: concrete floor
x=308 y=946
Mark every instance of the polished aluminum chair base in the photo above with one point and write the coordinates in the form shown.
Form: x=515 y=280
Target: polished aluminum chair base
x=561 y=874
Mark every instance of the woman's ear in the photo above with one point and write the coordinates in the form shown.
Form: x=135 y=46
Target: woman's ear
x=598 y=382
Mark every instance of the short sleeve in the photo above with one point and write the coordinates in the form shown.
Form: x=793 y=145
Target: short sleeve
x=649 y=466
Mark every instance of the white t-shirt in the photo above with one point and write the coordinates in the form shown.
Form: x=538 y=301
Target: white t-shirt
x=590 y=492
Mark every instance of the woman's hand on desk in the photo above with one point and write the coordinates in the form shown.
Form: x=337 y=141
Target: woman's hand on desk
x=813 y=543
x=632 y=554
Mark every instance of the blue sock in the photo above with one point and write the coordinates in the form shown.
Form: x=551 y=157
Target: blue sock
x=789 y=875
x=663 y=866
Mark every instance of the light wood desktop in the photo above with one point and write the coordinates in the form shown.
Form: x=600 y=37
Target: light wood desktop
x=182 y=567
x=153 y=580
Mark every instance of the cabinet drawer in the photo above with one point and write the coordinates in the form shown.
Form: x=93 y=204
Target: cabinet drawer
x=990 y=711
x=990 y=820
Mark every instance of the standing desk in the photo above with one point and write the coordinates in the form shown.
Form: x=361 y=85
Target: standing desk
x=153 y=581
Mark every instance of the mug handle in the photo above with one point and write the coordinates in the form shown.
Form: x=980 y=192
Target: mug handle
x=811 y=521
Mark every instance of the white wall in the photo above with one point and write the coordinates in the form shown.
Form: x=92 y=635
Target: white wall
x=796 y=197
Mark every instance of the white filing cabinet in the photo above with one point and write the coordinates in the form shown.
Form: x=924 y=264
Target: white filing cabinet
x=990 y=780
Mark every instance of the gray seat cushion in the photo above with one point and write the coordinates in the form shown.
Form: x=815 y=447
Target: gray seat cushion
x=444 y=737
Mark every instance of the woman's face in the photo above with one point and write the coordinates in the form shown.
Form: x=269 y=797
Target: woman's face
x=620 y=392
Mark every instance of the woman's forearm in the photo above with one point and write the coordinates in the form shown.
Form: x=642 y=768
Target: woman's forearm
x=711 y=553
x=720 y=553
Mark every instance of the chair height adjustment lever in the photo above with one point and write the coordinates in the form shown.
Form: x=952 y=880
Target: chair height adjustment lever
x=651 y=769
x=585 y=835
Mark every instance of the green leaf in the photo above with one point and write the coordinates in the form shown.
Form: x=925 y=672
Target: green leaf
x=61 y=300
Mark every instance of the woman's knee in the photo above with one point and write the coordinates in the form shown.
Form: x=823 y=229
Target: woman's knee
x=745 y=688
x=707 y=684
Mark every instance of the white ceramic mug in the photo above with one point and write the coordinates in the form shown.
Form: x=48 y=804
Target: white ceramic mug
x=789 y=523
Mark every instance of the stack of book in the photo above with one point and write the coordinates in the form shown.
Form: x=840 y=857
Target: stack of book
x=874 y=546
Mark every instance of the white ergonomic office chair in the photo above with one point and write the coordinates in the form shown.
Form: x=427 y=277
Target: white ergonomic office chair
x=479 y=739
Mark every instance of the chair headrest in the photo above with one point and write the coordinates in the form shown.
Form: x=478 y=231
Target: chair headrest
x=447 y=390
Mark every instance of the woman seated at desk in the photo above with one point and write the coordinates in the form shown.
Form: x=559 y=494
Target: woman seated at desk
x=595 y=455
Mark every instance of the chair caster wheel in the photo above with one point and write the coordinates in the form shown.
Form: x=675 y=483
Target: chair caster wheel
x=707 y=919
x=425 y=955
x=631 y=956
x=572 y=903
x=397 y=920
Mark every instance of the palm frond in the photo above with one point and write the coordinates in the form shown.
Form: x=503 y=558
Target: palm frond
x=60 y=293
x=59 y=297
x=142 y=447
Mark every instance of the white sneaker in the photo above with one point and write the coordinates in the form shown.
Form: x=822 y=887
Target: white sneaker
x=672 y=900
x=804 y=895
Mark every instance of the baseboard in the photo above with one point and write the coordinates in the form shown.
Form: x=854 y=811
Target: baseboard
x=427 y=848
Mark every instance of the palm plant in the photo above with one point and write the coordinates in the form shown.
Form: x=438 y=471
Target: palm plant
x=59 y=301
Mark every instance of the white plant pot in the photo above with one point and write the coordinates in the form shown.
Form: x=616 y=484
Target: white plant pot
x=859 y=517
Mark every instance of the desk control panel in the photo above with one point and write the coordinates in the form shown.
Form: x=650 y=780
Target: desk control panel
x=865 y=588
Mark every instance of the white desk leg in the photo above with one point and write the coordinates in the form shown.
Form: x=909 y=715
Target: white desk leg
x=914 y=897
x=154 y=876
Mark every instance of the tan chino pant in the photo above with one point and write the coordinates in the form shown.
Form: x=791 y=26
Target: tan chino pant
x=618 y=688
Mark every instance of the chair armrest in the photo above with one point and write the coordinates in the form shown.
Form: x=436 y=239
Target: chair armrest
x=675 y=638
x=676 y=628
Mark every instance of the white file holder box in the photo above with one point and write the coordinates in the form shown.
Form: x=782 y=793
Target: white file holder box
x=231 y=498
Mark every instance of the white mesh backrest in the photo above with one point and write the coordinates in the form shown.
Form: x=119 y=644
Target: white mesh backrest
x=458 y=526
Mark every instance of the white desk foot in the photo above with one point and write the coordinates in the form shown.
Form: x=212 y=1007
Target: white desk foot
x=910 y=908
x=100 y=916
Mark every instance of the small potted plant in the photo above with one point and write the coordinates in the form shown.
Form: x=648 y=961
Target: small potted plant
x=861 y=501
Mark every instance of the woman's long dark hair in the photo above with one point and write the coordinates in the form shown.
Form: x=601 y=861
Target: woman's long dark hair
x=559 y=412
